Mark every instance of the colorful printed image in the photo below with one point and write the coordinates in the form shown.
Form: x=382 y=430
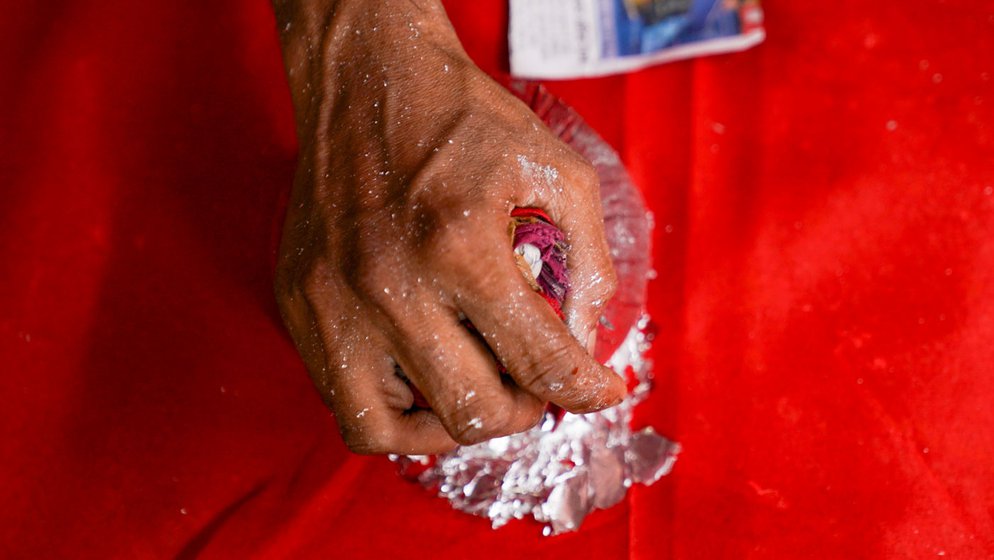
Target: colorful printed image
x=646 y=26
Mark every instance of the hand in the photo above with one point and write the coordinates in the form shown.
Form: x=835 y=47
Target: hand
x=411 y=160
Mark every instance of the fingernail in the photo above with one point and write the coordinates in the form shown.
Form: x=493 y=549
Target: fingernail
x=622 y=393
x=592 y=342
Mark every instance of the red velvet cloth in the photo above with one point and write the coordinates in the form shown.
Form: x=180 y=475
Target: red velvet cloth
x=825 y=299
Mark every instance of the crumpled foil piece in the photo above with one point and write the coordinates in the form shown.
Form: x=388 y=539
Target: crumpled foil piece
x=558 y=472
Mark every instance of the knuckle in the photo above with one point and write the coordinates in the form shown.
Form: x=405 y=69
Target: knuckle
x=482 y=280
x=369 y=277
x=606 y=287
x=584 y=178
x=367 y=254
x=455 y=259
x=546 y=372
x=586 y=172
x=425 y=215
x=361 y=441
x=313 y=282
x=447 y=241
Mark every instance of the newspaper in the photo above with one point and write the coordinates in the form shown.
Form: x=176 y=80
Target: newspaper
x=552 y=39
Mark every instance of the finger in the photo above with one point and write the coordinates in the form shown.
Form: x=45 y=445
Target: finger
x=370 y=403
x=458 y=376
x=372 y=418
x=571 y=196
x=537 y=349
x=593 y=280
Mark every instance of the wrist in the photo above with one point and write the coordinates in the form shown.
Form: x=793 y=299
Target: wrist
x=327 y=43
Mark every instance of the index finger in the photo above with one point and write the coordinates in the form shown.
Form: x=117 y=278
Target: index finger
x=571 y=196
x=531 y=341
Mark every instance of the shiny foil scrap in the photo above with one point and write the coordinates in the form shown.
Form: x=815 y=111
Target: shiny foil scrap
x=557 y=472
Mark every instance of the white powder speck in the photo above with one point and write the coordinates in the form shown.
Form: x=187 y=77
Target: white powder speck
x=182 y=511
x=476 y=423
x=545 y=172
x=362 y=412
x=891 y=125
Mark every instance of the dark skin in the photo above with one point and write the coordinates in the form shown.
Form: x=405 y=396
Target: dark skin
x=411 y=160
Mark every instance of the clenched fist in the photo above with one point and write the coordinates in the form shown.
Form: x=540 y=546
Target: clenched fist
x=411 y=161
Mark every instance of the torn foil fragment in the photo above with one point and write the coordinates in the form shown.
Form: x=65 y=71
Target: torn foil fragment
x=558 y=472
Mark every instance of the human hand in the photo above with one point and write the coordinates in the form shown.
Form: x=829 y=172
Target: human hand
x=411 y=160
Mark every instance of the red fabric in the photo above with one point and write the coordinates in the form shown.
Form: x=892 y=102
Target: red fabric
x=825 y=300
